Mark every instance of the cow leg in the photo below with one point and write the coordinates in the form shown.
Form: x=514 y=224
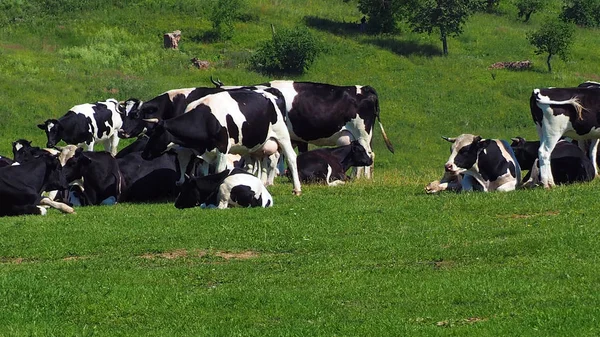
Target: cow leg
x=290 y=156
x=113 y=144
x=184 y=156
x=58 y=205
x=221 y=162
x=89 y=146
x=270 y=165
x=547 y=144
x=593 y=153
x=224 y=196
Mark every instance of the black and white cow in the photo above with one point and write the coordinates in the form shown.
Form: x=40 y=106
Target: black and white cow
x=225 y=189
x=329 y=165
x=558 y=112
x=102 y=179
x=479 y=164
x=330 y=115
x=86 y=124
x=24 y=152
x=569 y=163
x=21 y=186
x=236 y=121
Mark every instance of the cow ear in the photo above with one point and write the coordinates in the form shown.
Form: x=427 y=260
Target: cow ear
x=451 y=140
x=42 y=126
x=476 y=139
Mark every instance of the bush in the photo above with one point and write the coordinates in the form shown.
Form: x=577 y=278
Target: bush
x=290 y=51
x=223 y=16
x=382 y=14
x=582 y=12
x=528 y=7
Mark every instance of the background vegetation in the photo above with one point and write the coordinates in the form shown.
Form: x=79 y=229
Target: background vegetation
x=369 y=258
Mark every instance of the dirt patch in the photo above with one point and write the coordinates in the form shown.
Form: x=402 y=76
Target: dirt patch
x=182 y=253
x=527 y=216
x=464 y=321
x=12 y=46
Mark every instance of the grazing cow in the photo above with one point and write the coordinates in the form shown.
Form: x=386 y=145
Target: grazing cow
x=102 y=180
x=236 y=121
x=137 y=146
x=481 y=164
x=227 y=188
x=21 y=186
x=330 y=115
x=329 y=165
x=148 y=180
x=569 y=164
x=570 y=112
x=86 y=124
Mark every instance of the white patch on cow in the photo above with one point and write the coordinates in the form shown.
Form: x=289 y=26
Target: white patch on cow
x=184 y=91
x=18 y=146
x=43 y=210
x=287 y=90
x=359 y=89
x=50 y=126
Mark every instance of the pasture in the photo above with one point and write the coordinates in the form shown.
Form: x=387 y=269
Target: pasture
x=377 y=258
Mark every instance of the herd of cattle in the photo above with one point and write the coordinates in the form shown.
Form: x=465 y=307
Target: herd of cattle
x=208 y=147
x=221 y=146
x=568 y=123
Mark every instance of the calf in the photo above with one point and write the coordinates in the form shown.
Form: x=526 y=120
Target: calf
x=102 y=180
x=568 y=162
x=485 y=164
x=227 y=188
x=21 y=186
x=570 y=112
x=86 y=124
x=329 y=165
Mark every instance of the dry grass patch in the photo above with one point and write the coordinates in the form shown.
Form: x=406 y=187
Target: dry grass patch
x=198 y=253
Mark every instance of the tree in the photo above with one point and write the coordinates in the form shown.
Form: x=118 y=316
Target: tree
x=381 y=14
x=582 y=12
x=528 y=7
x=554 y=38
x=223 y=15
x=447 y=16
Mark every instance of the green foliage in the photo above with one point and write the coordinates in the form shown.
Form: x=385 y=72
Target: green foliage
x=582 y=12
x=289 y=51
x=382 y=15
x=15 y=11
x=223 y=16
x=446 y=16
x=553 y=38
x=528 y=7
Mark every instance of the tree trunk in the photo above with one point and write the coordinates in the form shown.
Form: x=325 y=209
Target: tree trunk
x=444 y=44
x=548 y=62
x=528 y=16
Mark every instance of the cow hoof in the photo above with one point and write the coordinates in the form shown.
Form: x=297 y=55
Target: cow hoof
x=297 y=193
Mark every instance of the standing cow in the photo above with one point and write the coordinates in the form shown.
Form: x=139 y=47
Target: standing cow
x=236 y=121
x=557 y=112
x=86 y=124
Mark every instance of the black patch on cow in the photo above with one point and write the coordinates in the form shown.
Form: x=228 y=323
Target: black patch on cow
x=491 y=162
x=259 y=112
x=232 y=129
x=467 y=155
x=244 y=196
x=102 y=115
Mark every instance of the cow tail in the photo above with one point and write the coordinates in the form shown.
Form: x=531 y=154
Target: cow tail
x=578 y=107
x=373 y=96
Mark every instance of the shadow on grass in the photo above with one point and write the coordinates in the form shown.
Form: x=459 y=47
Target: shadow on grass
x=347 y=29
x=406 y=48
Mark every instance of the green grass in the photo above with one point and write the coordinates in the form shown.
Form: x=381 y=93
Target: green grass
x=374 y=258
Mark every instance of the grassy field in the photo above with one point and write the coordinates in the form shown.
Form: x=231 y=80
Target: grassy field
x=374 y=258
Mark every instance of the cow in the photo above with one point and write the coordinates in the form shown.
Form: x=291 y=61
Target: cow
x=86 y=124
x=558 y=112
x=235 y=121
x=148 y=180
x=102 y=179
x=329 y=165
x=5 y=161
x=568 y=162
x=137 y=146
x=24 y=152
x=228 y=188
x=21 y=186
x=480 y=164
x=330 y=115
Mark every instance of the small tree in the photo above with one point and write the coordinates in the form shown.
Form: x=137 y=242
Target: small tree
x=553 y=38
x=528 y=7
x=447 y=16
x=582 y=12
x=290 y=50
x=382 y=14
x=223 y=15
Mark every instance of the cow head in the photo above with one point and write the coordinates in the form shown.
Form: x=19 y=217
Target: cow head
x=19 y=147
x=359 y=156
x=526 y=152
x=159 y=141
x=54 y=178
x=199 y=190
x=53 y=131
x=76 y=166
x=464 y=151
x=133 y=124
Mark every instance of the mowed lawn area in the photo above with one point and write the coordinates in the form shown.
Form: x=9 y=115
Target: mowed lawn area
x=369 y=258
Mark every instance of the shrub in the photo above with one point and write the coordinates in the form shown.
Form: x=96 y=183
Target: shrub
x=528 y=7
x=223 y=16
x=382 y=14
x=290 y=51
x=582 y=12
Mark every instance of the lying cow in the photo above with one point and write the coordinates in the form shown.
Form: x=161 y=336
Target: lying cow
x=21 y=186
x=86 y=124
x=4 y=161
x=102 y=180
x=568 y=162
x=480 y=164
x=24 y=152
x=329 y=165
x=225 y=189
x=558 y=112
